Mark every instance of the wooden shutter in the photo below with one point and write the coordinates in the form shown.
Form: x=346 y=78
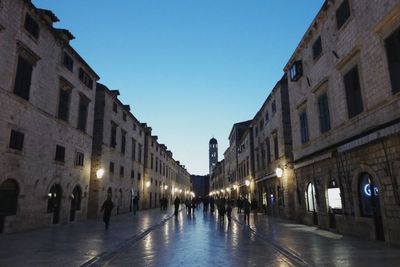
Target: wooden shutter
x=23 y=78
x=392 y=45
x=353 y=93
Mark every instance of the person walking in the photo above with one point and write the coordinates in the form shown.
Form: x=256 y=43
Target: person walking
x=246 y=208
x=135 y=204
x=229 y=212
x=177 y=202
x=107 y=207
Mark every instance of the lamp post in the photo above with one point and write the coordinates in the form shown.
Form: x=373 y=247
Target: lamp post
x=100 y=173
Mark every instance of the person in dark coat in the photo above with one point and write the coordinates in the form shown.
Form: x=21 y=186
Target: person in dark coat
x=107 y=207
x=246 y=208
x=229 y=212
x=177 y=202
x=135 y=204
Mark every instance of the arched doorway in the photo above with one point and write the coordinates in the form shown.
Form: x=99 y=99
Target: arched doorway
x=76 y=197
x=9 y=191
x=368 y=192
x=334 y=202
x=54 y=202
x=311 y=202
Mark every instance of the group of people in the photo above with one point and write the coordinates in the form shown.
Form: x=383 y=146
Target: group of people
x=224 y=207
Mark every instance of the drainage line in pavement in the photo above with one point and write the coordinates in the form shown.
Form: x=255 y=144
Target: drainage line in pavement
x=287 y=252
x=105 y=256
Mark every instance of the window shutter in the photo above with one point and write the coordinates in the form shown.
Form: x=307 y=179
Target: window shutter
x=353 y=93
x=23 y=78
x=392 y=45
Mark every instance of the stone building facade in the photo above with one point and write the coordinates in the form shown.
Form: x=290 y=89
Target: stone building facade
x=344 y=95
x=271 y=129
x=54 y=115
x=47 y=94
x=118 y=150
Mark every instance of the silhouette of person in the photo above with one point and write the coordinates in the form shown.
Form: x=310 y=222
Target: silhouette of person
x=107 y=207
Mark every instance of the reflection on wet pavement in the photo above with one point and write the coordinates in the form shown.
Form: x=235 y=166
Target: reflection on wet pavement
x=199 y=240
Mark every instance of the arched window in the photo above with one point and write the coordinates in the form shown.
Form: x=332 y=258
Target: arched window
x=310 y=198
x=368 y=194
x=9 y=191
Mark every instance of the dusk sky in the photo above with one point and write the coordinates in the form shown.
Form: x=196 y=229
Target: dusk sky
x=190 y=69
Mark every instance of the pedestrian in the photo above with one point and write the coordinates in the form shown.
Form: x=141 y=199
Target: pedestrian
x=221 y=212
x=212 y=207
x=254 y=208
x=239 y=203
x=135 y=204
x=246 y=208
x=229 y=212
x=107 y=207
x=177 y=202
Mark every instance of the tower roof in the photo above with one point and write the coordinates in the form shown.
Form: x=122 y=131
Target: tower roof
x=213 y=141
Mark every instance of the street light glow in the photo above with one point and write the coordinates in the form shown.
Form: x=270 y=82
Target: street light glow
x=100 y=173
x=279 y=172
x=147 y=184
x=247 y=182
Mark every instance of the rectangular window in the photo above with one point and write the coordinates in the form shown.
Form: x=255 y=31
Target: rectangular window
x=132 y=174
x=83 y=113
x=296 y=71
x=353 y=92
x=60 y=153
x=85 y=78
x=342 y=14
x=68 y=62
x=121 y=171
x=266 y=116
x=273 y=107
x=268 y=151
x=140 y=153
x=111 y=167
x=156 y=164
x=123 y=141
x=317 y=48
x=134 y=126
x=63 y=104
x=139 y=177
x=261 y=124
x=392 y=45
x=115 y=107
x=113 y=138
x=79 y=159
x=276 y=147
x=304 y=128
x=324 y=117
x=31 y=26
x=151 y=161
x=124 y=116
x=23 y=78
x=133 y=149
x=16 y=140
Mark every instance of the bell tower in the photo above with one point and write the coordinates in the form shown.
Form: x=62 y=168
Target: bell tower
x=213 y=153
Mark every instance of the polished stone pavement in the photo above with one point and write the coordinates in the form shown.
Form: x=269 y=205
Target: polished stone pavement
x=155 y=238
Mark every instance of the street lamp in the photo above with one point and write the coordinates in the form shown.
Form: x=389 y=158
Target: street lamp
x=247 y=182
x=165 y=187
x=279 y=172
x=100 y=173
x=147 y=184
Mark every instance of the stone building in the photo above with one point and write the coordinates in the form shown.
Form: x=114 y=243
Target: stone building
x=118 y=152
x=47 y=94
x=344 y=94
x=273 y=171
x=244 y=184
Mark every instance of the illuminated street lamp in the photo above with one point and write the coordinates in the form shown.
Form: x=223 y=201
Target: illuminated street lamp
x=228 y=190
x=279 y=172
x=165 y=187
x=180 y=190
x=247 y=182
x=147 y=184
x=100 y=173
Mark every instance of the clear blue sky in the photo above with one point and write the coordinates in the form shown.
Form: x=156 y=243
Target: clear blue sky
x=188 y=68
